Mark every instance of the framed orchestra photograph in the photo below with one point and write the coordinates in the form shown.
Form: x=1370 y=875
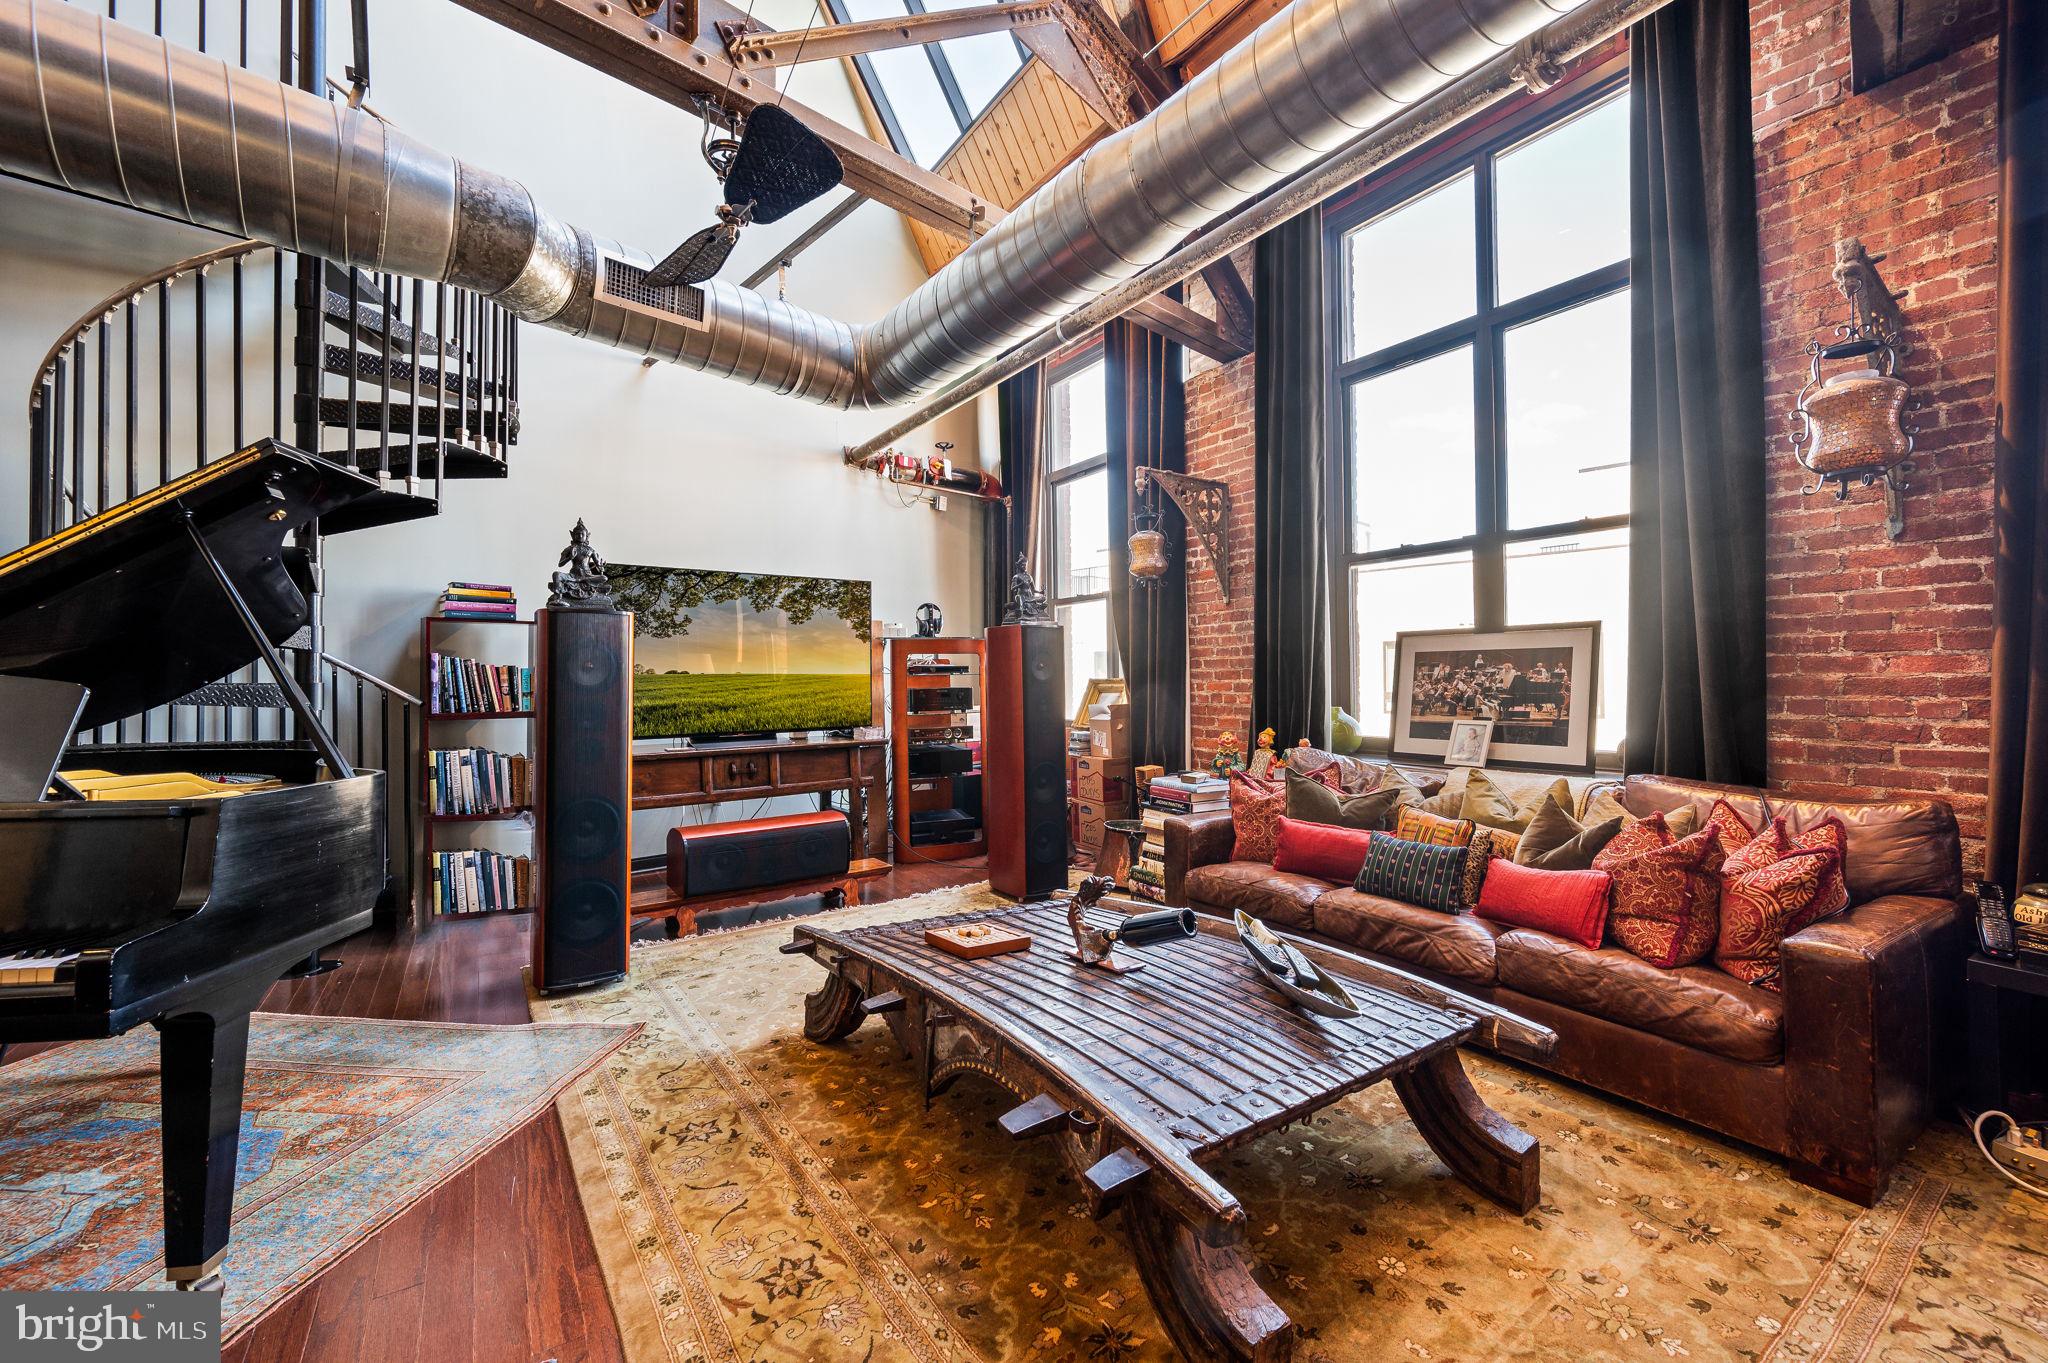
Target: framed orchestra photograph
x=1535 y=687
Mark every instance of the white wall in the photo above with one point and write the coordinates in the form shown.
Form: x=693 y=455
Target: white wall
x=666 y=465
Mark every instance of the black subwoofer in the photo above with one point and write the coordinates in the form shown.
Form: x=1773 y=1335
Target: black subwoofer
x=583 y=731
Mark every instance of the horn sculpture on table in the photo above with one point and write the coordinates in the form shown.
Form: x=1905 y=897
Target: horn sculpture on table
x=1095 y=946
x=101 y=107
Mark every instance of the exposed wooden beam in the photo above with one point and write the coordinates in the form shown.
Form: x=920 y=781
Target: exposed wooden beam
x=1233 y=300
x=675 y=54
x=761 y=48
x=1180 y=323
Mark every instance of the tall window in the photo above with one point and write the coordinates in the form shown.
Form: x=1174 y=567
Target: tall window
x=1077 y=498
x=1482 y=398
x=927 y=96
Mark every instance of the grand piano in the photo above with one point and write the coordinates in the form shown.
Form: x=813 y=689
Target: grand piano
x=181 y=911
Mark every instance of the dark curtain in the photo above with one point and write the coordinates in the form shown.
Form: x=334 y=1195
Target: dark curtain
x=2017 y=850
x=1291 y=586
x=1696 y=556
x=1009 y=521
x=1147 y=429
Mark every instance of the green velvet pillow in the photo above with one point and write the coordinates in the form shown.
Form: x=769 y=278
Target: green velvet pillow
x=1313 y=802
x=1486 y=803
x=1555 y=841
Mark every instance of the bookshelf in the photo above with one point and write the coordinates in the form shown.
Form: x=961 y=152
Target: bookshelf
x=495 y=643
x=910 y=728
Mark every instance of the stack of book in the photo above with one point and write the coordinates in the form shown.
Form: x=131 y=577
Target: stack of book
x=464 y=686
x=477 y=781
x=1188 y=792
x=480 y=881
x=1164 y=796
x=478 y=601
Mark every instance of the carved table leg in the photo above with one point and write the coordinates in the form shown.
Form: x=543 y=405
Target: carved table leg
x=1204 y=1295
x=834 y=1011
x=1482 y=1147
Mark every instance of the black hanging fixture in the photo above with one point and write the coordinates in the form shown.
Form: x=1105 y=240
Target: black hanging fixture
x=772 y=166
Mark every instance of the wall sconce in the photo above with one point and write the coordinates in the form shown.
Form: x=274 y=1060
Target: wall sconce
x=1849 y=426
x=1205 y=502
x=1149 y=557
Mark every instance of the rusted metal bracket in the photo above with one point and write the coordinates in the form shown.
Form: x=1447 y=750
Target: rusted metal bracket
x=1205 y=502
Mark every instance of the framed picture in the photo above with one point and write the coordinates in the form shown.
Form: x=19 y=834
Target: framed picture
x=1536 y=686
x=1466 y=746
x=1101 y=691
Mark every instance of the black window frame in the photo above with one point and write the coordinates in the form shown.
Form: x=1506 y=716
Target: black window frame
x=1063 y=369
x=949 y=85
x=1485 y=331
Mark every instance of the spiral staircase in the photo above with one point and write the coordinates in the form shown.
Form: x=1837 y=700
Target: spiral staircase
x=413 y=385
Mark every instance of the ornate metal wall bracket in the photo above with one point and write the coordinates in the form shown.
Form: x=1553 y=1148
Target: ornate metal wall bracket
x=1206 y=504
x=1848 y=427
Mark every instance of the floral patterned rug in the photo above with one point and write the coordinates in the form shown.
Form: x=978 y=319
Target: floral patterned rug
x=757 y=1197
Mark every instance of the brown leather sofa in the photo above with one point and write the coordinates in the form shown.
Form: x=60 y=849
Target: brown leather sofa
x=1837 y=1073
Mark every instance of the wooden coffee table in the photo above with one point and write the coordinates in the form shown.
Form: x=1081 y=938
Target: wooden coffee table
x=1143 y=1078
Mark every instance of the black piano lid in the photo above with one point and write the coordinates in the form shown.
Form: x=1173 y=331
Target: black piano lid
x=123 y=603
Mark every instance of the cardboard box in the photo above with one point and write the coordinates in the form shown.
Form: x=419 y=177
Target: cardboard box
x=1088 y=820
x=1105 y=780
x=1110 y=736
x=1142 y=776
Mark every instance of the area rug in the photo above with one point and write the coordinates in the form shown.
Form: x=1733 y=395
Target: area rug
x=757 y=1197
x=346 y=1122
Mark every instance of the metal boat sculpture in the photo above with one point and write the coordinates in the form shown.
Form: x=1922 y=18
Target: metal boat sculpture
x=1295 y=976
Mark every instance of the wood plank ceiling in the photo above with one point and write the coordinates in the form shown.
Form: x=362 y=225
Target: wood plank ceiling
x=1038 y=123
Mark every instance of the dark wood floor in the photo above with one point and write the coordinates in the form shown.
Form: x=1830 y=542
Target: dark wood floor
x=497 y=1263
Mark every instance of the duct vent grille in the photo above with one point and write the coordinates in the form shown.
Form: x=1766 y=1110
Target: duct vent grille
x=626 y=284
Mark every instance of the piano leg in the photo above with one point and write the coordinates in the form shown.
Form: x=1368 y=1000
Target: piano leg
x=202 y=1056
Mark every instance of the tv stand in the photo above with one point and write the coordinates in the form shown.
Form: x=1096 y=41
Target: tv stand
x=755 y=769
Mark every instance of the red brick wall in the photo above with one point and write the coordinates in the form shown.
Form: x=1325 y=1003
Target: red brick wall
x=1219 y=437
x=1878 y=652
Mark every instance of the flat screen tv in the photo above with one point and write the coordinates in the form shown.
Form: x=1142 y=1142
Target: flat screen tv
x=727 y=655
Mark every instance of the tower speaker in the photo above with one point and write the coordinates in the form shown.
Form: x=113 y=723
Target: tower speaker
x=1024 y=759
x=583 y=805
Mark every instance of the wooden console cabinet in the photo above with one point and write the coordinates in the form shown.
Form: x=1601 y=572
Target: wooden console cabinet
x=713 y=772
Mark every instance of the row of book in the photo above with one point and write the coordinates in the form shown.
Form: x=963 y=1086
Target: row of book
x=1164 y=796
x=477 y=880
x=466 y=686
x=478 y=601
x=477 y=781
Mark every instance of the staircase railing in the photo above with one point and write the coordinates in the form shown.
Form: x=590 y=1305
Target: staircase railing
x=146 y=386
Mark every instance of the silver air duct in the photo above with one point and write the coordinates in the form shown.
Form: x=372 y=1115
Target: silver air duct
x=105 y=109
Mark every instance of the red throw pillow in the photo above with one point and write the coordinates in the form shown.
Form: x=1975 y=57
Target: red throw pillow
x=1255 y=810
x=1322 y=850
x=1731 y=830
x=1569 y=904
x=1772 y=888
x=1256 y=807
x=1667 y=892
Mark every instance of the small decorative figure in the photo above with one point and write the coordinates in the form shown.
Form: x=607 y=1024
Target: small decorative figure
x=1227 y=758
x=1027 y=603
x=584 y=586
x=1263 y=757
x=929 y=621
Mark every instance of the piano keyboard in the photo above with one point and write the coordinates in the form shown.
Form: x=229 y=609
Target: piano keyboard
x=26 y=960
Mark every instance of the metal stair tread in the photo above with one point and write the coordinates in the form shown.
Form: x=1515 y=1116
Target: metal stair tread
x=236 y=695
x=369 y=327
x=368 y=365
x=386 y=506
x=461 y=461
x=433 y=420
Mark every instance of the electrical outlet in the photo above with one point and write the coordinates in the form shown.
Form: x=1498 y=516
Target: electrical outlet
x=2022 y=1148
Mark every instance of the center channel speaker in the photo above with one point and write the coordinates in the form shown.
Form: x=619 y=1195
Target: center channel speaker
x=1024 y=759
x=583 y=806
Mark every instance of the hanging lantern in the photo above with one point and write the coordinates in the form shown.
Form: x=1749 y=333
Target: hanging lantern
x=1848 y=426
x=1149 y=559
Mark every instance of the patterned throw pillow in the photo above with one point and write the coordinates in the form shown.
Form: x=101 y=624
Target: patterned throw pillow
x=1486 y=844
x=1256 y=807
x=1416 y=826
x=1730 y=829
x=1427 y=875
x=1314 y=802
x=1666 y=892
x=1772 y=888
x=1555 y=841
